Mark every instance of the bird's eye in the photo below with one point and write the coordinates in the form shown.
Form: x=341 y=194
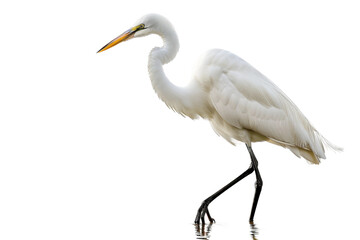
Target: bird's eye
x=142 y=26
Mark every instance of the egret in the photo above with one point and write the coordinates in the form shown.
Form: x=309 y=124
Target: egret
x=241 y=104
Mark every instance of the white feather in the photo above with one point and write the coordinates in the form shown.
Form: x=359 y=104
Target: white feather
x=256 y=107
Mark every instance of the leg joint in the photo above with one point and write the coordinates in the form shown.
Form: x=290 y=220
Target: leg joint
x=258 y=183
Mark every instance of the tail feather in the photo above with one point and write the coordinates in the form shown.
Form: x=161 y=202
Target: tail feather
x=312 y=155
x=329 y=145
x=307 y=154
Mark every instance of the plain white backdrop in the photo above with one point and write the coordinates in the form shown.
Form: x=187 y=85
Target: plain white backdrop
x=88 y=151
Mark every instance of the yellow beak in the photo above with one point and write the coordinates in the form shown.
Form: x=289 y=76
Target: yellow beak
x=123 y=37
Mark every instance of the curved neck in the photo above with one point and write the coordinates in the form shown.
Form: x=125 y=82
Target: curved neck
x=176 y=98
x=168 y=51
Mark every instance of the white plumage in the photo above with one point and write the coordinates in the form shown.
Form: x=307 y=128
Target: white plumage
x=248 y=107
x=240 y=103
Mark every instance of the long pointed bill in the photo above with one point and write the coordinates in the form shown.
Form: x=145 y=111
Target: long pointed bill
x=123 y=37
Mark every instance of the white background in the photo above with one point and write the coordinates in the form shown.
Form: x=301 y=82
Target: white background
x=88 y=151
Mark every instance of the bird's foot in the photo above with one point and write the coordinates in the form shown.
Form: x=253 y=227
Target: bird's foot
x=200 y=216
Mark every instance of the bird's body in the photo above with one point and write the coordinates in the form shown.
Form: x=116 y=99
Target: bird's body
x=244 y=105
x=240 y=103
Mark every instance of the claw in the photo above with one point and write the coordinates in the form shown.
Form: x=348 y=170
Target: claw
x=209 y=216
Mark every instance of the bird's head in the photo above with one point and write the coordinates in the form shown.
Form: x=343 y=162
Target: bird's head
x=148 y=24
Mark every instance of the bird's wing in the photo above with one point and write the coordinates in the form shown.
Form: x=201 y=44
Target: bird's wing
x=245 y=98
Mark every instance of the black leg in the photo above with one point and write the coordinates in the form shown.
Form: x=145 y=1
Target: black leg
x=204 y=206
x=258 y=184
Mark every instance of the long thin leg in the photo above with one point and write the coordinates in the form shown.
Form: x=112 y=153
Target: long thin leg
x=258 y=184
x=204 y=206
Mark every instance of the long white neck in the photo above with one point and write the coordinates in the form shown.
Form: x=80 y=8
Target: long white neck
x=182 y=100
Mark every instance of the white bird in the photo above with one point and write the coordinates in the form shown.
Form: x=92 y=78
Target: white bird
x=240 y=103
